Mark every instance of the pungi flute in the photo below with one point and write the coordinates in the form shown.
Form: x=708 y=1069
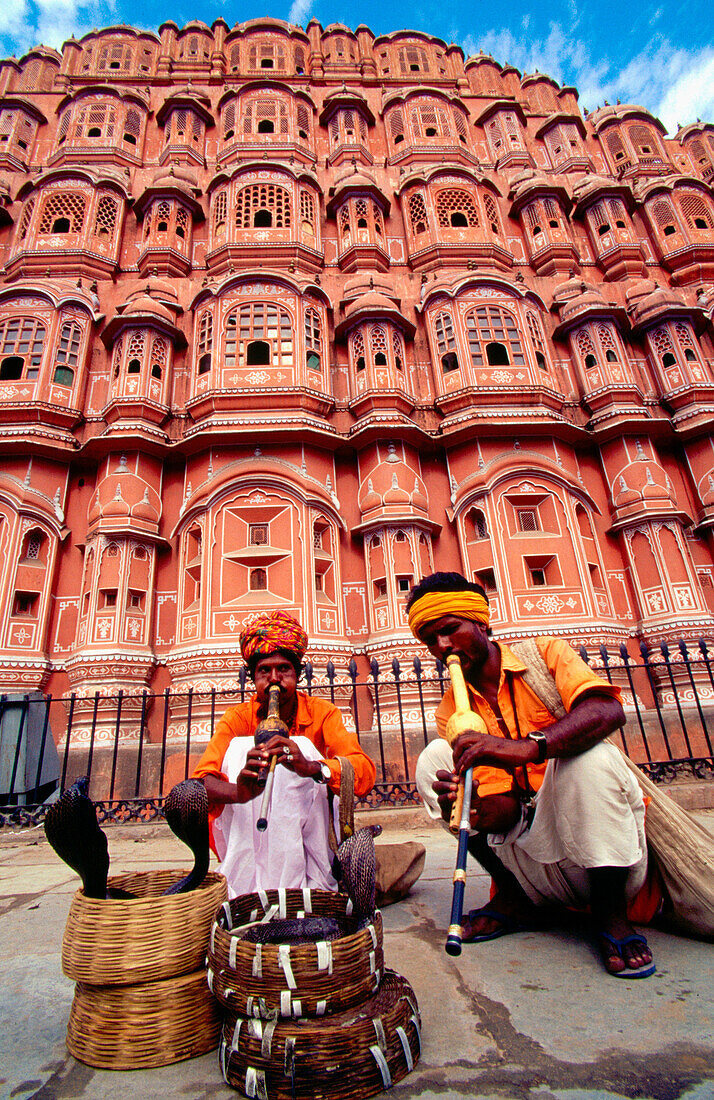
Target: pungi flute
x=272 y=724
x=463 y=718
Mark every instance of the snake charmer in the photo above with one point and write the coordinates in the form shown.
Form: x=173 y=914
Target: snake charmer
x=293 y=851
x=556 y=817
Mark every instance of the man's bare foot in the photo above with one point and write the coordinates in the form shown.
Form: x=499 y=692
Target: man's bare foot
x=499 y=917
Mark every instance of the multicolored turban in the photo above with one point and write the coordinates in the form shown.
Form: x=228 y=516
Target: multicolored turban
x=464 y=604
x=270 y=632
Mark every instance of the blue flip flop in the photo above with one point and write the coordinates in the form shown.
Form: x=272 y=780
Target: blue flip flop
x=629 y=971
x=509 y=925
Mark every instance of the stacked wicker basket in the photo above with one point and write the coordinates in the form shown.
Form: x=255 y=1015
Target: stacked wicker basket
x=309 y=1020
x=141 y=998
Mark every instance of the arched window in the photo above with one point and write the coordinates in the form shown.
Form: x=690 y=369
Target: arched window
x=664 y=217
x=696 y=212
x=22 y=341
x=396 y=126
x=537 y=338
x=260 y=110
x=262 y=204
x=62 y=212
x=417 y=213
x=616 y=147
x=258 y=580
x=219 y=214
x=455 y=207
x=259 y=333
x=413 y=59
x=480 y=527
x=608 y=344
x=34 y=547
x=358 y=355
x=493 y=337
x=106 y=217
x=378 y=345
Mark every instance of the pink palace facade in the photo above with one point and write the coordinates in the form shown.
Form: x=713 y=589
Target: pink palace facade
x=291 y=318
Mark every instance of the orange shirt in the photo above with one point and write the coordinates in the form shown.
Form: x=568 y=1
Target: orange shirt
x=316 y=719
x=573 y=678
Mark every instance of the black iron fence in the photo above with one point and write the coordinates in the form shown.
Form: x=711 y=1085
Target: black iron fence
x=135 y=747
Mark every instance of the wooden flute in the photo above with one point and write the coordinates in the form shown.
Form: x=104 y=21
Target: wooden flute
x=463 y=718
x=271 y=725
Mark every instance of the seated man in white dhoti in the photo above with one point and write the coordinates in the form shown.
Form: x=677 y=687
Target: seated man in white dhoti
x=557 y=818
x=294 y=850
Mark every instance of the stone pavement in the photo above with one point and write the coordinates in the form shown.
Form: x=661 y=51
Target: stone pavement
x=526 y=1017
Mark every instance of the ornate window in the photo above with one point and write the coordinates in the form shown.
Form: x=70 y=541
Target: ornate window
x=263 y=115
x=493 y=337
x=313 y=340
x=396 y=126
x=105 y=220
x=307 y=212
x=617 y=148
x=62 y=212
x=220 y=205
x=664 y=216
x=696 y=212
x=456 y=208
x=262 y=205
x=142 y=355
x=413 y=59
x=563 y=142
x=25 y=220
x=184 y=127
x=360 y=222
x=536 y=335
x=489 y=205
x=429 y=121
x=259 y=334
x=446 y=342
x=204 y=346
x=22 y=341
x=266 y=55
x=417 y=213
x=348 y=127
x=67 y=354
x=17 y=132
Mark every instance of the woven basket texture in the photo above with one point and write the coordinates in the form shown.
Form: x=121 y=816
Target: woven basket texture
x=146 y=938
x=145 y=1025
x=308 y=979
x=349 y=1056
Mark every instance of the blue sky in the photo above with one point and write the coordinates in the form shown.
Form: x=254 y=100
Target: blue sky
x=659 y=54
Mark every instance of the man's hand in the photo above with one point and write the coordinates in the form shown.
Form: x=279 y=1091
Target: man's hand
x=496 y=813
x=290 y=756
x=473 y=748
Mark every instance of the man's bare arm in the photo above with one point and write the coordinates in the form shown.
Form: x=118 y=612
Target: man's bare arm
x=592 y=718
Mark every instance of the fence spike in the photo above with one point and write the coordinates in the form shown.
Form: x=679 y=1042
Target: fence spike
x=395 y=668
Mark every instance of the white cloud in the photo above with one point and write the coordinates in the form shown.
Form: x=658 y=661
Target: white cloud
x=28 y=23
x=675 y=84
x=300 y=11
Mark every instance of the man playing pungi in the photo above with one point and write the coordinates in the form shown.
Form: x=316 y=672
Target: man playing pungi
x=557 y=818
x=294 y=849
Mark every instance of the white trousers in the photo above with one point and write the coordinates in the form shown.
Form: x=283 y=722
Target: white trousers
x=589 y=812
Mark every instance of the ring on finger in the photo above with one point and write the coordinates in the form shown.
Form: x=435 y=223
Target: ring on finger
x=288 y=756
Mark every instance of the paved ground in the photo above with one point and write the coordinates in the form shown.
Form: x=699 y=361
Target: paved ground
x=527 y=1017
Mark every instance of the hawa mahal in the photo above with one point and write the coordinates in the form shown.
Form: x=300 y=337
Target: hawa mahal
x=291 y=318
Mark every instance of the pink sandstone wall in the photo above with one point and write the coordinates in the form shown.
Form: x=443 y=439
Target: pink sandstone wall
x=289 y=319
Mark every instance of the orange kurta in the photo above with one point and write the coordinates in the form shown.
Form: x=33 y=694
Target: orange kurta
x=573 y=678
x=316 y=719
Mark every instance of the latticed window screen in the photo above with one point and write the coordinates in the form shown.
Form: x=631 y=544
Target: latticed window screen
x=307 y=209
x=417 y=212
x=33 y=546
x=378 y=345
x=430 y=121
x=229 y=121
x=345 y=220
x=263 y=322
x=60 y=208
x=135 y=351
x=696 y=212
x=495 y=136
x=489 y=205
x=266 y=55
x=413 y=59
x=31 y=76
x=662 y=341
x=159 y=352
x=643 y=140
x=607 y=341
x=132 y=127
x=452 y=201
x=512 y=128
x=106 y=217
x=489 y=325
x=98 y=120
x=684 y=335
x=585 y=347
x=334 y=130
x=663 y=214
x=303 y=120
x=266 y=116
x=618 y=213
x=21 y=338
x=67 y=354
x=181 y=220
x=235 y=57
x=63 y=127
x=258 y=534
x=313 y=339
x=220 y=203
x=446 y=341
x=267 y=199
x=536 y=335
x=396 y=125
x=527 y=519
x=552 y=211
x=461 y=126
x=616 y=146
x=358 y=351
x=299 y=59
x=205 y=342
x=26 y=219
x=398 y=349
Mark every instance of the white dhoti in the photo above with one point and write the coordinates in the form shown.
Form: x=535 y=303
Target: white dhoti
x=294 y=850
x=589 y=812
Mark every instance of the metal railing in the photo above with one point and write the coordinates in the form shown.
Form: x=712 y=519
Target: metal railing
x=135 y=747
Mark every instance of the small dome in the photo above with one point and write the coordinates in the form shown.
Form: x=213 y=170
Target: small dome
x=124 y=497
x=393 y=486
x=642 y=481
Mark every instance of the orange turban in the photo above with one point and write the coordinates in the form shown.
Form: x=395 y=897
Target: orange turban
x=463 y=603
x=273 y=631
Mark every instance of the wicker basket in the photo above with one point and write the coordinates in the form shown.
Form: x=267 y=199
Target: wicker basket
x=145 y=1025
x=307 y=979
x=141 y=939
x=349 y=1056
